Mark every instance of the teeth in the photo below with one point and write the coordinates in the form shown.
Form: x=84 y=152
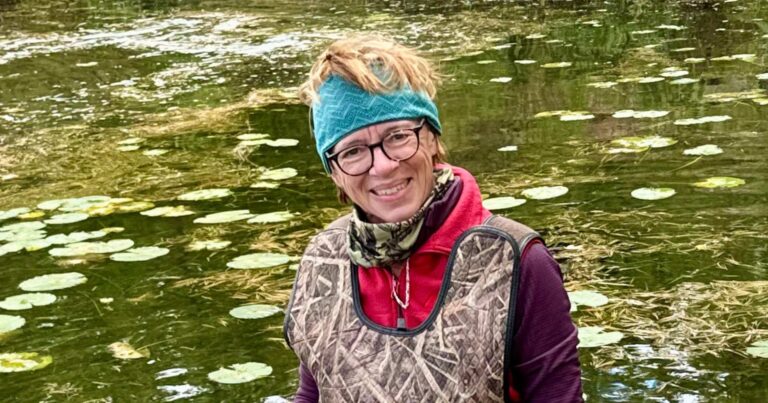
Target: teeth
x=385 y=192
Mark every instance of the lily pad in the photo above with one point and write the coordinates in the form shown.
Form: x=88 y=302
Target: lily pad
x=80 y=236
x=644 y=142
x=240 y=373
x=574 y=116
x=653 y=193
x=252 y=136
x=525 y=61
x=32 y=215
x=628 y=113
x=22 y=236
x=224 y=217
x=23 y=227
x=277 y=216
x=648 y=80
x=9 y=323
x=155 y=152
x=254 y=311
x=720 y=182
x=67 y=218
x=168 y=211
x=212 y=244
x=278 y=174
x=259 y=261
x=545 y=192
x=706 y=149
x=507 y=148
x=702 y=120
x=626 y=150
x=502 y=80
x=13 y=213
x=586 y=298
x=205 y=194
x=27 y=301
x=20 y=362
x=501 y=203
x=558 y=65
x=758 y=349
x=50 y=282
x=87 y=248
x=684 y=80
x=139 y=254
x=265 y=185
x=131 y=141
x=602 y=84
x=593 y=336
x=125 y=351
x=282 y=142
x=127 y=148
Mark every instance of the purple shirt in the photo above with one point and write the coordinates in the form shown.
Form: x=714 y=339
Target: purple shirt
x=546 y=360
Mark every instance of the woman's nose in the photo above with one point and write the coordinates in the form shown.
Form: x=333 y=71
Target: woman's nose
x=382 y=165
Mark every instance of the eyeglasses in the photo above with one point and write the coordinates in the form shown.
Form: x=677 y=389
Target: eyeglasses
x=398 y=145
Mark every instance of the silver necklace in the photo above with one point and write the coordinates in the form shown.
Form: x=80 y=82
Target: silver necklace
x=402 y=304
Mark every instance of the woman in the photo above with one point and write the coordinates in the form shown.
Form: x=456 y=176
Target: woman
x=420 y=294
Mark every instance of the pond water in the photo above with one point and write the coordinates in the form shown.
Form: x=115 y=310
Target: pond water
x=80 y=81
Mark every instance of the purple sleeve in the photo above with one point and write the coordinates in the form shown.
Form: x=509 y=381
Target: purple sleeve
x=546 y=360
x=307 y=392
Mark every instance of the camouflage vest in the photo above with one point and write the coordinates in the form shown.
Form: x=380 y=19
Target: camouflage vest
x=461 y=351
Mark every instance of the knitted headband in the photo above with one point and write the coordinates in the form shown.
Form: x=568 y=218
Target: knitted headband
x=344 y=108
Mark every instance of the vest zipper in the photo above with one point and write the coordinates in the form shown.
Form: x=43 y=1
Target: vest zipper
x=400 y=314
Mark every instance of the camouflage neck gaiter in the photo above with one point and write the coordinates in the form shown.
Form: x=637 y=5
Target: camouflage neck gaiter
x=380 y=245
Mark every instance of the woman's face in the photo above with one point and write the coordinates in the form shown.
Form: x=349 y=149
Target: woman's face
x=390 y=191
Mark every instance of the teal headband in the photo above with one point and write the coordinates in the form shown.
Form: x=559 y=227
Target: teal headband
x=344 y=108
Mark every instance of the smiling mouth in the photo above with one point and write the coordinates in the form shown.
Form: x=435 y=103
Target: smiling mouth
x=391 y=190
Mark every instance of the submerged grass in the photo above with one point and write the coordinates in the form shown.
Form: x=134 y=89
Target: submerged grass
x=254 y=286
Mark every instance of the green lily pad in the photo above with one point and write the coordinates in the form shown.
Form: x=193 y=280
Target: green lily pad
x=702 y=120
x=155 y=152
x=593 y=336
x=507 y=148
x=525 y=61
x=545 y=192
x=32 y=215
x=259 y=261
x=648 y=80
x=67 y=218
x=254 y=311
x=502 y=80
x=224 y=217
x=720 y=182
x=212 y=244
x=603 y=84
x=684 y=80
x=22 y=236
x=79 y=204
x=27 y=301
x=13 y=213
x=586 y=298
x=265 y=185
x=547 y=114
x=80 y=236
x=30 y=245
x=653 y=193
x=23 y=227
x=240 y=373
x=644 y=142
x=87 y=248
x=139 y=254
x=50 y=282
x=758 y=349
x=706 y=149
x=20 y=362
x=168 y=211
x=252 y=136
x=626 y=150
x=570 y=117
x=131 y=141
x=282 y=142
x=278 y=174
x=674 y=73
x=127 y=148
x=277 y=216
x=9 y=323
x=501 y=203
x=628 y=113
x=558 y=65
x=205 y=194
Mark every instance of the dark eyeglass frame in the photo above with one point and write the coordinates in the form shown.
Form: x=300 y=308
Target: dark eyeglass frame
x=417 y=130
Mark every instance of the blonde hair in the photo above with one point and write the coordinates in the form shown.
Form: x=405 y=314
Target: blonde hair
x=358 y=58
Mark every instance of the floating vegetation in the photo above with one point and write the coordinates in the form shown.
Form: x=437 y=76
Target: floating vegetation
x=252 y=136
x=557 y=65
x=642 y=143
x=168 y=211
x=125 y=351
x=758 y=349
x=32 y=215
x=586 y=298
x=254 y=311
x=13 y=213
x=573 y=116
x=21 y=362
x=603 y=84
x=706 y=149
x=240 y=373
x=139 y=254
x=131 y=141
x=282 y=142
x=653 y=193
x=486 y=61
x=259 y=261
x=87 y=248
x=27 y=301
x=278 y=174
x=224 y=217
x=67 y=218
x=277 y=216
x=205 y=194
x=594 y=336
x=155 y=152
x=722 y=97
x=50 y=282
x=127 y=148
x=79 y=236
x=265 y=185
x=649 y=80
x=211 y=244
x=9 y=323
x=762 y=76
x=628 y=113
x=720 y=182
x=507 y=149
x=673 y=73
x=502 y=80
x=683 y=81
x=501 y=203
x=545 y=192
x=747 y=57
x=525 y=61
